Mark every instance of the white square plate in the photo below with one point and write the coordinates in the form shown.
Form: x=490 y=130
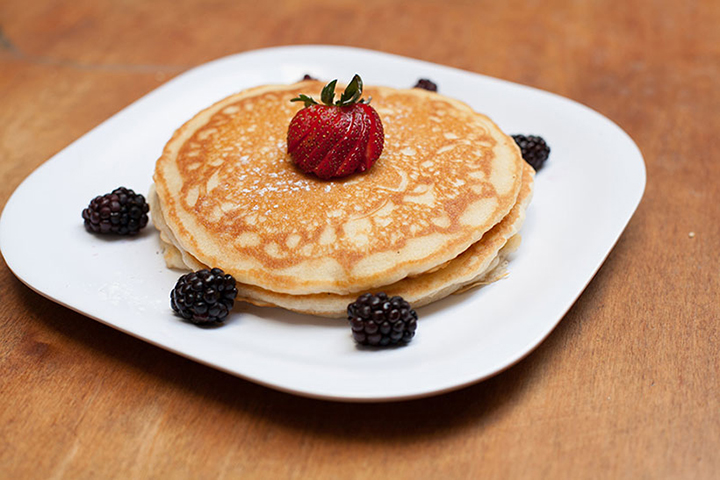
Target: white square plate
x=584 y=198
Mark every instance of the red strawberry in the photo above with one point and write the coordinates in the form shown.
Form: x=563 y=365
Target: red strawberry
x=335 y=139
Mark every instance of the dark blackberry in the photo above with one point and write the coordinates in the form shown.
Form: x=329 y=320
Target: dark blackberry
x=380 y=321
x=122 y=212
x=426 y=84
x=204 y=297
x=307 y=76
x=534 y=149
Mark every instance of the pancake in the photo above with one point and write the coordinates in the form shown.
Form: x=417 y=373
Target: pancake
x=232 y=198
x=484 y=262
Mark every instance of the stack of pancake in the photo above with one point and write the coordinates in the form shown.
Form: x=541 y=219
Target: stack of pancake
x=438 y=213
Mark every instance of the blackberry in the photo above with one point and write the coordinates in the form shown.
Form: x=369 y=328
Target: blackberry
x=204 y=297
x=122 y=212
x=426 y=84
x=380 y=321
x=307 y=76
x=534 y=149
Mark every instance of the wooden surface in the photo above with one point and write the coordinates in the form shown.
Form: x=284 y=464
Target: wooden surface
x=627 y=386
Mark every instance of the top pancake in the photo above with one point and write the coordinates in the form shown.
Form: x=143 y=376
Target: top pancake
x=234 y=200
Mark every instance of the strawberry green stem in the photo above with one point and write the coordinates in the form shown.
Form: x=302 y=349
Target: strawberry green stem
x=351 y=95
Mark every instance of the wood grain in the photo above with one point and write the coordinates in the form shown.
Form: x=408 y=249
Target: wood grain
x=627 y=386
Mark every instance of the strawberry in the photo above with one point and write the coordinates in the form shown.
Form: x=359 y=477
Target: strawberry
x=335 y=138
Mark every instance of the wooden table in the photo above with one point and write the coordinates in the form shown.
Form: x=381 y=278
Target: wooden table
x=628 y=385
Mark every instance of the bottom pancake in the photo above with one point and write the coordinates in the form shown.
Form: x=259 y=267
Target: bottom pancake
x=483 y=262
x=418 y=291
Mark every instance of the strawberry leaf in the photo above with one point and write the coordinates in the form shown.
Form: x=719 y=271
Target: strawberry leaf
x=328 y=93
x=352 y=92
x=304 y=98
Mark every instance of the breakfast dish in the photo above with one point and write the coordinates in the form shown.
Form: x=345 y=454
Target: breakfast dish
x=583 y=199
x=226 y=194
